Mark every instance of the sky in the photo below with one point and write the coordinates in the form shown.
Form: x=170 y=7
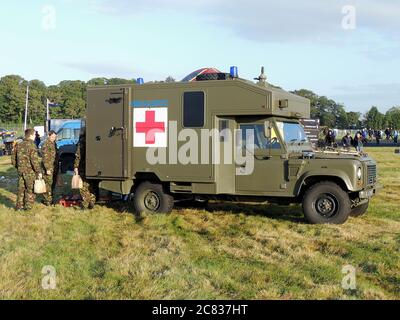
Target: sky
x=348 y=50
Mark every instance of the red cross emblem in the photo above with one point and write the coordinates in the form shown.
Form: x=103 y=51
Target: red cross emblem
x=150 y=127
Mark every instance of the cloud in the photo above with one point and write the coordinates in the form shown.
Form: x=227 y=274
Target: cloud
x=382 y=53
x=99 y=68
x=273 y=20
x=110 y=69
x=385 y=95
x=373 y=88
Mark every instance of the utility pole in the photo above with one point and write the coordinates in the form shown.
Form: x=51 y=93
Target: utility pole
x=26 y=107
x=47 y=116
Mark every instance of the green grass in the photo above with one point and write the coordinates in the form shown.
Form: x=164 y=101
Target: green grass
x=230 y=251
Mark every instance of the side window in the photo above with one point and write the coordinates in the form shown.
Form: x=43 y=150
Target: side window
x=60 y=134
x=274 y=141
x=249 y=136
x=223 y=130
x=76 y=133
x=193 y=109
x=65 y=134
x=254 y=134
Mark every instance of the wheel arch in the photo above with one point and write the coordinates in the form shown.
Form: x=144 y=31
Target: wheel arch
x=141 y=177
x=309 y=180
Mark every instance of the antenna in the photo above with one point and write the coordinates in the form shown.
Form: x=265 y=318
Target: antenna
x=262 y=79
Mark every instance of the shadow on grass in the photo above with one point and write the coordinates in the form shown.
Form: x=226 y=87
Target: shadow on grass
x=121 y=206
x=8 y=182
x=291 y=213
x=7 y=202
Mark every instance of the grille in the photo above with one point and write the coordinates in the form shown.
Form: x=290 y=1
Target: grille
x=371 y=171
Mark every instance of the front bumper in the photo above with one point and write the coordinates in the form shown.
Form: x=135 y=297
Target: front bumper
x=369 y=193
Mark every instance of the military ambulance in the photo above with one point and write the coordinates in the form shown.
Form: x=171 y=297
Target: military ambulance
x=220 y=137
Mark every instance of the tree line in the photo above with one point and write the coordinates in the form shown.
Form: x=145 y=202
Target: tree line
x=334 y=115
x=71 y=97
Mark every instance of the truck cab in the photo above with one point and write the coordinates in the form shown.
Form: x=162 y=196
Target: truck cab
x=323 y=181
x=67 y=139
x=222 y=138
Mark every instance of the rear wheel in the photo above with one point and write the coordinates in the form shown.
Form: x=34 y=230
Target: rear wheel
x=360 y=210
x=151 y=198
x=326 y=202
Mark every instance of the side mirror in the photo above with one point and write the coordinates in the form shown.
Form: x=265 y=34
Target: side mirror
x=267 y=129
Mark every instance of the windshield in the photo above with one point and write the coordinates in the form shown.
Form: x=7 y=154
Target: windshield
x=293 y=133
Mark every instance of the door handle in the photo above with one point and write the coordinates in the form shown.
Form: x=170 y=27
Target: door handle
x=113 y=130
x=114 y=100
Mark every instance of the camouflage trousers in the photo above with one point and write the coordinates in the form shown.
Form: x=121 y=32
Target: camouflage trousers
x=88 y=194
x=49 y=180
x=25 y=196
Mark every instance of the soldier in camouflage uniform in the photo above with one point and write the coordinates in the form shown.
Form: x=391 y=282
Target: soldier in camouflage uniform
x=50 y=164
x=26 y=160
x=88 y=191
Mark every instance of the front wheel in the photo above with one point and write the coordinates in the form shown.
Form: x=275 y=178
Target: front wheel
x=151 y=198
x=360 y=210
x=326 y=202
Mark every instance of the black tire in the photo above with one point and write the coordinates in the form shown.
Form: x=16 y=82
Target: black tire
x=212 y=76
x=360 y=210
x=326 y=202
x=150 y=198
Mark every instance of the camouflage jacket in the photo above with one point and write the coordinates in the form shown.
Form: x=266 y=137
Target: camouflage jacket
x=49 y=155
x=25 y=157
x=80 y=157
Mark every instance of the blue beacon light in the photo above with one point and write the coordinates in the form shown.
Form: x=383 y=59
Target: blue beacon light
x=234 y=72
x=140 y=81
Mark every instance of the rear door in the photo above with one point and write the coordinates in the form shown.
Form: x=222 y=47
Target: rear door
x=107 y=126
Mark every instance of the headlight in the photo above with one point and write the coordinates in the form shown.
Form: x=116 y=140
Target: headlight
x=359 y=173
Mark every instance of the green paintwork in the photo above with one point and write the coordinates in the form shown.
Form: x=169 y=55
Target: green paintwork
x=112 y=158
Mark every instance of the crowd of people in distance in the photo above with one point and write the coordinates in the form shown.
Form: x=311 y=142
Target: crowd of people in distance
x=361 y=138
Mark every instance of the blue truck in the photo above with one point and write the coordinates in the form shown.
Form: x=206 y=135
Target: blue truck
x=68 y=132
x=67 y=138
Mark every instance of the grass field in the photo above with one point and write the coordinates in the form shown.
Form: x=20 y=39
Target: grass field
x=228 y=251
